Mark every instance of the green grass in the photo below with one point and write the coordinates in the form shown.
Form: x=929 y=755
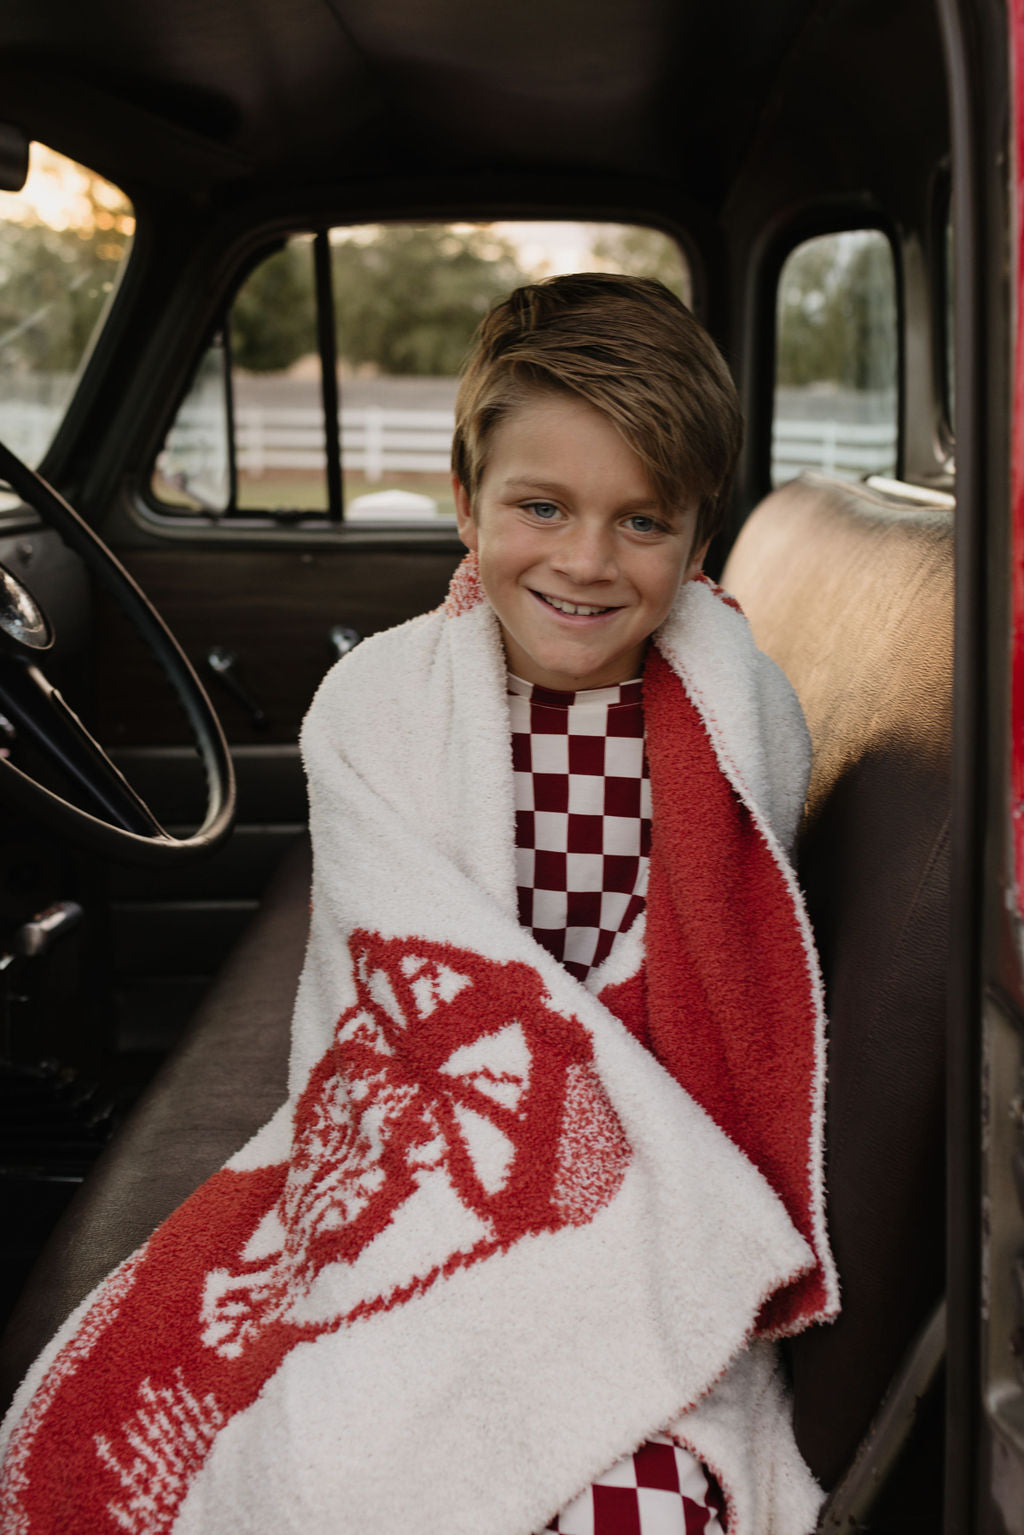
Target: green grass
x=307 y=492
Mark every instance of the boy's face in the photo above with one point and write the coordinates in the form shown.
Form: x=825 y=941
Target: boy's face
x=578 y=558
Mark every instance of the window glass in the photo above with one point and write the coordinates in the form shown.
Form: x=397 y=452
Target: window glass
x=193 y=470
x=250 y=433
x=405 y=300
x=64 y=239
x=836 y=406
x=277 y=386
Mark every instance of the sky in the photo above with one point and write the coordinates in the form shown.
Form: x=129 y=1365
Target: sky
x=549 y=246
x=57 y=193
x=544 y=247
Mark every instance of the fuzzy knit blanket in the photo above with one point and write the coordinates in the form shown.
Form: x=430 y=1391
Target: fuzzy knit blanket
x=507 y=1225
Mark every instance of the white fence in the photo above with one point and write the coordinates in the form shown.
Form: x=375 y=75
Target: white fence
x=849 y=449
x=379 y=441
x=373 y=440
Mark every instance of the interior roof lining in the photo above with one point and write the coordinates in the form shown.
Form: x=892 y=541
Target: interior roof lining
x=231 y=93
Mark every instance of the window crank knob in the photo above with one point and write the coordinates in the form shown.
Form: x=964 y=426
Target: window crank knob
x=223 y=663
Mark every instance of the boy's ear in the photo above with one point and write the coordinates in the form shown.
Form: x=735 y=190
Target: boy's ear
x=696 y=563
x=464 y=514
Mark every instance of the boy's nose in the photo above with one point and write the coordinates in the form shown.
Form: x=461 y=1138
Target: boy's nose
x=586 y=555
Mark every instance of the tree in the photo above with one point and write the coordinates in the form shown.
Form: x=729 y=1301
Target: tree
x=408 y=297
x=54 y=282
x=871 y=317
x=641 y=252
x=837 y=314
x=273 y=318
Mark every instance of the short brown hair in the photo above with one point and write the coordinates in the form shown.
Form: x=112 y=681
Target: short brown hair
x=629 y=347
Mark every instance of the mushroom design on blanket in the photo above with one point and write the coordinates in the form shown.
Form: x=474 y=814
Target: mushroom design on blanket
x=454 y=1113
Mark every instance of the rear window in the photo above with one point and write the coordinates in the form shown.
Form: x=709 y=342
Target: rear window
x=64 y=239
x=836 y=403
x=329 y=391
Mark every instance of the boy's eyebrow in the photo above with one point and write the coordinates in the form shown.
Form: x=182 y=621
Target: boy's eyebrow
x=517 y=487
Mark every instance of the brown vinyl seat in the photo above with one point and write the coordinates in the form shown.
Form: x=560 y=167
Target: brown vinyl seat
x=850 y=590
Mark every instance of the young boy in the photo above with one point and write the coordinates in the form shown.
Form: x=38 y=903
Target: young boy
x=549 y=1178
x=589 y=481
x=597 y=430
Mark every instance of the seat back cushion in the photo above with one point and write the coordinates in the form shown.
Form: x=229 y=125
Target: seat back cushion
x=851 y=592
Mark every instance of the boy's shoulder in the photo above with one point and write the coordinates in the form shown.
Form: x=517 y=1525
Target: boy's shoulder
x=749 y=707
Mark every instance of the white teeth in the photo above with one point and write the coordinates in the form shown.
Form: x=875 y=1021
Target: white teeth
x=574 y=607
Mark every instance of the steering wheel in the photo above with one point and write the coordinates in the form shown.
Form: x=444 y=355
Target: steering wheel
x=118 y=823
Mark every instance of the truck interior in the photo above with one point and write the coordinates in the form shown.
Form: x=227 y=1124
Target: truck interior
x=829 y=182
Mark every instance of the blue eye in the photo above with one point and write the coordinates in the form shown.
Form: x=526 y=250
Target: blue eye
x=545 y=510
x=641 y=524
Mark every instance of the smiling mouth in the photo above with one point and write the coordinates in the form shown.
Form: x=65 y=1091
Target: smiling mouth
x=573 y=609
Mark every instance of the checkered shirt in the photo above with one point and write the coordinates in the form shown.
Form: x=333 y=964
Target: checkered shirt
x=658 y=1490
x=583 y=816
x=583 y=841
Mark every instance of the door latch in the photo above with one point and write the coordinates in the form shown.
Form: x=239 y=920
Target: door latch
x=223 y=663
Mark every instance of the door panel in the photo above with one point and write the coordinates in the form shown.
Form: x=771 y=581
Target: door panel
x=273 y=609
x=170 y=930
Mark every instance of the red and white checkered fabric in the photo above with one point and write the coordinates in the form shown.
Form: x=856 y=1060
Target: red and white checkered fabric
x=583 y=840
x=583 y=816
x=658 y=1490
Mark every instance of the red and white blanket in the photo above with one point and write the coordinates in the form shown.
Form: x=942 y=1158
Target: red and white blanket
x=490 y=1244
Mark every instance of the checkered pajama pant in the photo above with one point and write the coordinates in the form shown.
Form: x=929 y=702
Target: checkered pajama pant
x=658 y=1490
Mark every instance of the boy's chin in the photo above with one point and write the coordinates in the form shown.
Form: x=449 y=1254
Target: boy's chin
x=577 y=674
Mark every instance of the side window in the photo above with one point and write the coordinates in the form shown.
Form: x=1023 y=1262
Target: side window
x=366 y=325
x=836 y=400
x=64 y=239
x=250 y=433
